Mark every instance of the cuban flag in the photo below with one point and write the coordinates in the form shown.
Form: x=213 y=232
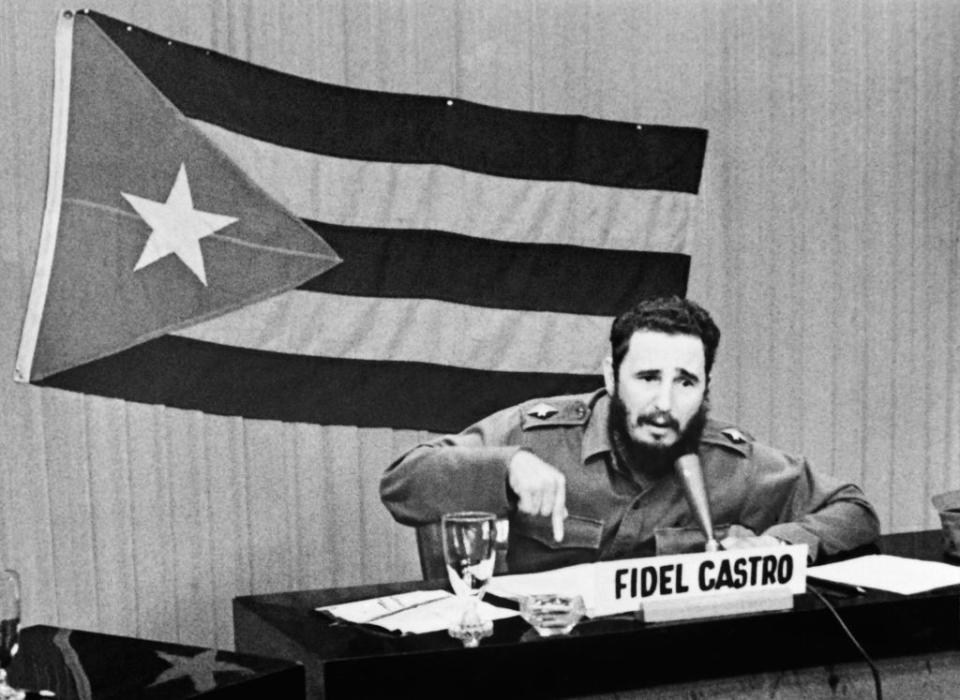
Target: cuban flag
x=223 y=237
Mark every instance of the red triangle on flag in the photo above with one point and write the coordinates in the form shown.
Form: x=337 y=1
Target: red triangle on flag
x=149 y=227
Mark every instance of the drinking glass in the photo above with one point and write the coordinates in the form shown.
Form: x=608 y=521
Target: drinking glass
x=469 y=549
x=552 y=614
x=9 y=630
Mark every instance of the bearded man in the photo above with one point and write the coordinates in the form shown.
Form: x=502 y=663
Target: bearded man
x=590 y=477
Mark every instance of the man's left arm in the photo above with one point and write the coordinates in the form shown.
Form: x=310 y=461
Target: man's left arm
x=795 y=504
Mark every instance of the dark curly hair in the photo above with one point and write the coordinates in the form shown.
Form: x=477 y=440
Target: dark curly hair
x=674 y=315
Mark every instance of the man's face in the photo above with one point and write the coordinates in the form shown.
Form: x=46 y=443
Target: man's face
x=661 y=385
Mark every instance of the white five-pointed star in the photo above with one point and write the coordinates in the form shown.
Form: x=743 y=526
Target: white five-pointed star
x=176 y=227
x=199 y=669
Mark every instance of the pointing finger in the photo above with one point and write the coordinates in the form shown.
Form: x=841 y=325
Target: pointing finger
x=559 y=511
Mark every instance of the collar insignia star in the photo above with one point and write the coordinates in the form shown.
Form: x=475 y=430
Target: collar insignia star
x=199 y=669
x=176 y=227
x=542 y=410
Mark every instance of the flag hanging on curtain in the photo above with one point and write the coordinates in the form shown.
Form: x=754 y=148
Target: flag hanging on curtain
x=224 y=237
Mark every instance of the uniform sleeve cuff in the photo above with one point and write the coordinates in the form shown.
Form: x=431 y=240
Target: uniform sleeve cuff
x=792 y=533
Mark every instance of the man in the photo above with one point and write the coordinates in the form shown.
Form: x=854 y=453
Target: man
x=591 y=477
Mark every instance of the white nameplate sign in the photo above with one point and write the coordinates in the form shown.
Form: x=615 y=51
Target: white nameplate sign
x=625 y=585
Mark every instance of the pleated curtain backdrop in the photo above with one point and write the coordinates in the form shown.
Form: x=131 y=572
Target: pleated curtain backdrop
x=826 y=244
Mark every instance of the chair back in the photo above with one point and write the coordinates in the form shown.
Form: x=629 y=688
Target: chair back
x=430 y=548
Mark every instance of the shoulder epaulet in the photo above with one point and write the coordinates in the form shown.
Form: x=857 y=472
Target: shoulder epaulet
x=726 y=435
x=554 y=412
x=736 y=436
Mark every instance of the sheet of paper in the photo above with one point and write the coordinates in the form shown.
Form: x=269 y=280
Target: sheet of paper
x=570 y=580
x=889 y=573
x=415 y=612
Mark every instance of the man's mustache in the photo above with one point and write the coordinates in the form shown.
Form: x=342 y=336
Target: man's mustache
x=659 y=419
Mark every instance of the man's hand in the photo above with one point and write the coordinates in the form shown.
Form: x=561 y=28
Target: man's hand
x=740 y=537
x=540 y=487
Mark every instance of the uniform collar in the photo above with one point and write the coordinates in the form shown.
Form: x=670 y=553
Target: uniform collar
x=596 y=437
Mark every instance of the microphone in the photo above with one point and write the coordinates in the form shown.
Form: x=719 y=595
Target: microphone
x=691 y=476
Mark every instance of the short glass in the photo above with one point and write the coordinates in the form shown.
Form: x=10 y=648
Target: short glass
x=552 y=614
x=948 y=507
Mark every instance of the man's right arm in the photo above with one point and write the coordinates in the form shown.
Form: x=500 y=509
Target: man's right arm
x=446 y=475
x=483 y=468
x=467 y=471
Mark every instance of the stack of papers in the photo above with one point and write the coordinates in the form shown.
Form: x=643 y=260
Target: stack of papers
x=885 y=572
x=416 y=612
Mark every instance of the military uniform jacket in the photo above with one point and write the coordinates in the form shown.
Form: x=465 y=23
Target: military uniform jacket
x=612 y=513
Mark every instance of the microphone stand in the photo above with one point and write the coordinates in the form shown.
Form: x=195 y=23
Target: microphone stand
x=691 y=477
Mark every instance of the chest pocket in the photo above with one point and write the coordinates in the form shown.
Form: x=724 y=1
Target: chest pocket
x=578 y=532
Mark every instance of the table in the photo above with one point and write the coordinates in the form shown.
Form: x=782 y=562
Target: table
x=95 y=666
x=917 y=639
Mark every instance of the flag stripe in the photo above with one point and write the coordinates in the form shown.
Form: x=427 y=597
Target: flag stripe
x=430 y=264
x=181 y=372
x=413 y=330
x=441 y=198
x=373 y=125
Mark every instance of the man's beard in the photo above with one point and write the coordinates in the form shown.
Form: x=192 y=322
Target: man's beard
x=653 y=460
